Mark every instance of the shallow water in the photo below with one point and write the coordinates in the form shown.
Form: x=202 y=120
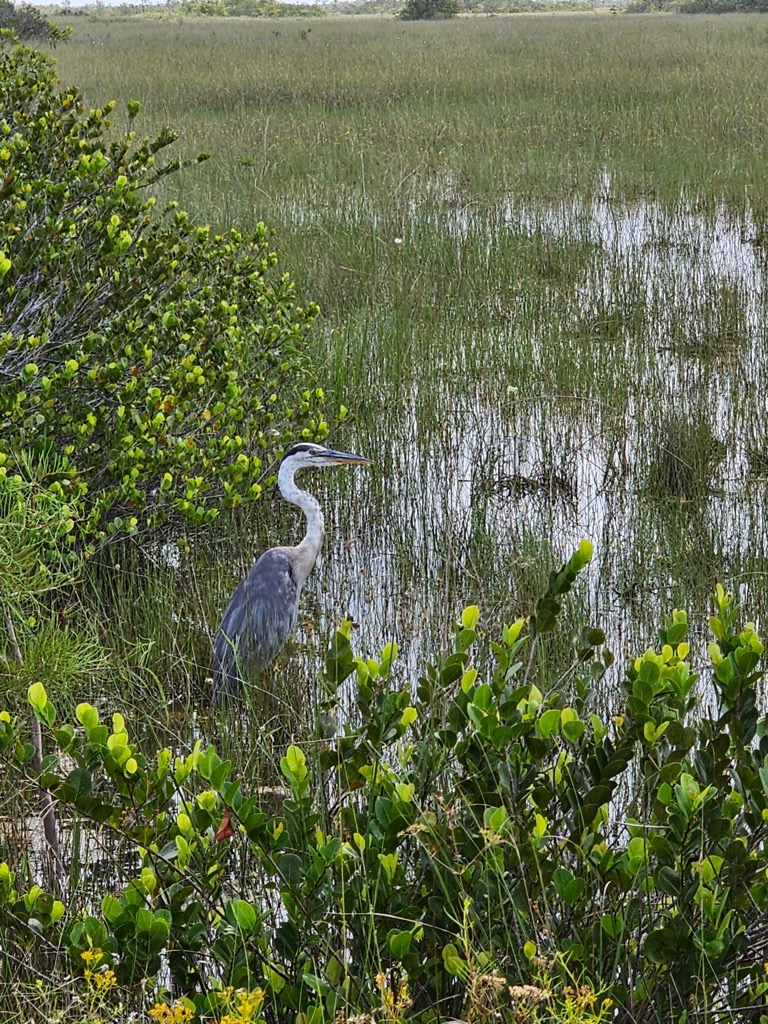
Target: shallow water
x=489 y=474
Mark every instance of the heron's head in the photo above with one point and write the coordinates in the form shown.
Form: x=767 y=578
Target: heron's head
x=305 y=455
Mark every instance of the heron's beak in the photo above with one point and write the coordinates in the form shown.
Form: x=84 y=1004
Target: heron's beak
x=347 y=457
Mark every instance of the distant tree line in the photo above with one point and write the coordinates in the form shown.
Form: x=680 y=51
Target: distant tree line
x=696 y=6
x=252 y=8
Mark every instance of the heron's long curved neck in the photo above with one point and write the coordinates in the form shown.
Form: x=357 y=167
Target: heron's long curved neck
x=309 y=548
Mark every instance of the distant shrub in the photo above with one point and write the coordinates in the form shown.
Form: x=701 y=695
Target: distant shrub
x=429 y=10
x=154 y=362
x=209 y=8
x=28 y=23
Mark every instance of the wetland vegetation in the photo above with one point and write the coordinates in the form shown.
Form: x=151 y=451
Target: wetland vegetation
x=540 y=257
x=539 y=246
x=539 y=249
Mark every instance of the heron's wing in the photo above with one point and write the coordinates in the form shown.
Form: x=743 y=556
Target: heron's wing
x=259 y=619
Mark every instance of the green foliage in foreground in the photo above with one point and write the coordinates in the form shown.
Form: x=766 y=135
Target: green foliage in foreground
x=479 y=845
x=152 y=362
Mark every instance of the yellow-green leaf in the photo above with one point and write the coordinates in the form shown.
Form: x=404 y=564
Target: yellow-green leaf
x=470 y=617
x=409 y=715
x=37 y=696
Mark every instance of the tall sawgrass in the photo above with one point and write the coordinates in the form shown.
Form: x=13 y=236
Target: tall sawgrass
x=528 y=105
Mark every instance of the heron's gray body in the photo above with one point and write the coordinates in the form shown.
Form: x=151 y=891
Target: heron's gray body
x=258 y=621
x=263 y=610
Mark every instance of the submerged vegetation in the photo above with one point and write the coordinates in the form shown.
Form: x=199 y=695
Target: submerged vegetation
x=539 y=247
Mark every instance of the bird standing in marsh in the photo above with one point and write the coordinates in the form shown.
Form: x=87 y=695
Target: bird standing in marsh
x=263 y=610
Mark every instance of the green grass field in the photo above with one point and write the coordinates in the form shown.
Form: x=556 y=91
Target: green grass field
x=532 y=106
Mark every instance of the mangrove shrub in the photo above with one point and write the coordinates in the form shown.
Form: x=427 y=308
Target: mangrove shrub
x=476 y=844
x=152 y=361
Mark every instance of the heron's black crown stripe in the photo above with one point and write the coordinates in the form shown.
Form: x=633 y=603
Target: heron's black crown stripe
x=302 y=447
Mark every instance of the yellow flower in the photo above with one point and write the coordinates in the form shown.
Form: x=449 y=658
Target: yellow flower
x=101 y=981
x=105 y=980
x=243 y=1005
x=92 y=956
x=176 y=1014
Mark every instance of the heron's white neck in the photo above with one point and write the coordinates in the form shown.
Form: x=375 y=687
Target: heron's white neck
x=309 y=548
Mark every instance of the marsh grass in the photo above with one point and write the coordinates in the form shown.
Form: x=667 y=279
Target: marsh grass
x=538 y=245
x=685 y=461
x=528 y=105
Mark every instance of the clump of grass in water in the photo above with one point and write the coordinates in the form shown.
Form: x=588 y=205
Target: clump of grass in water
x=547 y=254
x=685 y=459
x=757 y=458
x=712 y=323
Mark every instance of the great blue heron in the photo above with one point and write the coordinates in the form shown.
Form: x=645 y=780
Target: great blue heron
x=262 y=613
